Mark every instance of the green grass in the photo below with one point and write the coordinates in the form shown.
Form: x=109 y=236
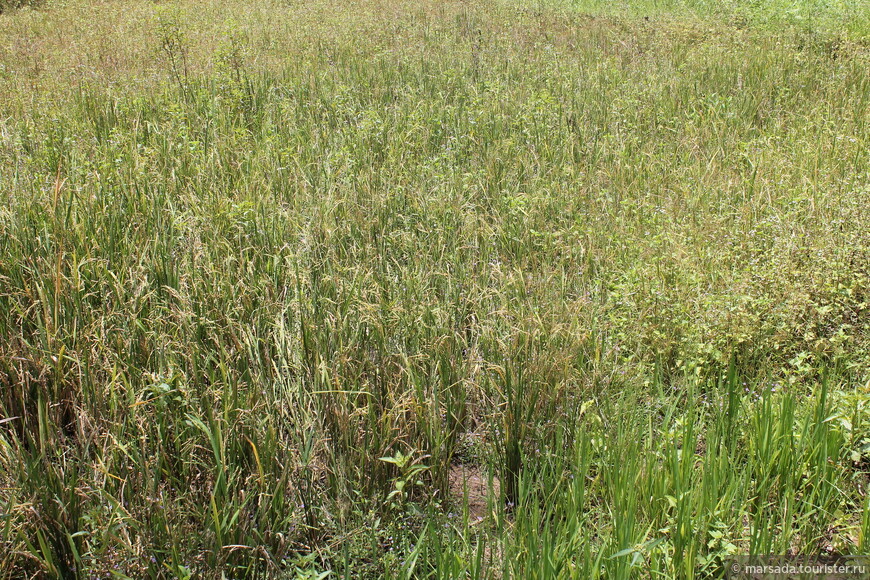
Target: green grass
x=269 y=270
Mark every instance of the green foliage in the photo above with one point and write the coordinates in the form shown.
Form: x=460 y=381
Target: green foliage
x=7 y=5
x=270 y=273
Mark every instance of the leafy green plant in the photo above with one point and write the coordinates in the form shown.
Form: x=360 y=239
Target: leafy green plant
x=173 y=48
x=410 y=469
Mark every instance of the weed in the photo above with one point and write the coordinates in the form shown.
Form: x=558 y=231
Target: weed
x=478 y=289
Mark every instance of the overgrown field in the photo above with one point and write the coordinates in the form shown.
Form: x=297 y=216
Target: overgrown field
x=419 y=289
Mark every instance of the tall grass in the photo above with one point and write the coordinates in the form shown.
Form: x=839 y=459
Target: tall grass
x=262 y=286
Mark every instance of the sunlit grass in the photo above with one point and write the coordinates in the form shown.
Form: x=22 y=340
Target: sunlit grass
x=269 y=270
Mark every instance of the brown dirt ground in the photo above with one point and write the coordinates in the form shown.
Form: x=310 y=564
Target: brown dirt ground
x=469 y=485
